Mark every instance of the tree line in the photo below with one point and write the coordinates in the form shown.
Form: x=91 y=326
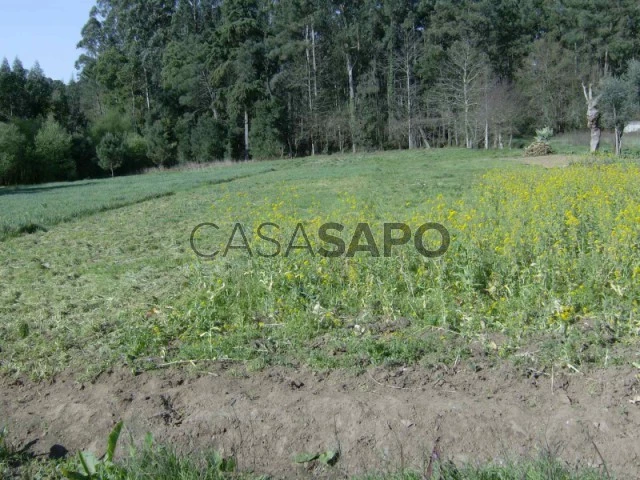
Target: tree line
x=173 y=81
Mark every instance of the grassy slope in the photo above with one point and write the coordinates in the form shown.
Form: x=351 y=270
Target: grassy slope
x=38 y=207
x=80 y=291
x=122 y=286
x=118 y=286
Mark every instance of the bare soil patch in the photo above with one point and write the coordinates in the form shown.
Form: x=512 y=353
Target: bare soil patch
x=548 y=161
x=380 y=420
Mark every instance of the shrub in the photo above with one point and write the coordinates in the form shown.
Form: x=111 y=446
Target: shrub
x=53 y=150
x=208 y=140
x=267 y=130
x=544 y=134
x=160 y=149
x=12 y=147
x=135 y=147
x=111 y=152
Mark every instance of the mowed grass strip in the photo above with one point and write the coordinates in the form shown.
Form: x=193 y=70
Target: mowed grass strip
x=38 y=207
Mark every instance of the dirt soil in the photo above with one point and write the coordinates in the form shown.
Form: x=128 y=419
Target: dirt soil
x=382 y=419
x=548 y=161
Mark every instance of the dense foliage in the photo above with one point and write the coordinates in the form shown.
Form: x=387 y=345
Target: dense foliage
x=200 y=80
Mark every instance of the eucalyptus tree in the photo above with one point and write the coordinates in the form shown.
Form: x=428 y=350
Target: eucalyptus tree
x=240 y=73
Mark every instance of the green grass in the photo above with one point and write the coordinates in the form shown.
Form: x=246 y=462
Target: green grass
x=28 y=209
x=119 y=285
x=578 y=143
x=159 y=462
x=122 y=287
x=79 y=295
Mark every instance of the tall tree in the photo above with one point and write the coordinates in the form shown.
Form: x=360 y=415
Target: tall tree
x=239 y=43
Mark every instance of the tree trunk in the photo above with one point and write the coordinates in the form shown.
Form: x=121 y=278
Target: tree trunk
x=352 y=104
x=146 y=89
x=486 y=134
x=465 y=101
x=409 y=113
x=390 y=84
x=593 y=117
x=424 y=138
x=309 y=89
x=618 y=134
x=315 y=66
x=315 y=124
x=246 y=134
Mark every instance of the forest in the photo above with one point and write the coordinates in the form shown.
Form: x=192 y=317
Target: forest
x=167 y=82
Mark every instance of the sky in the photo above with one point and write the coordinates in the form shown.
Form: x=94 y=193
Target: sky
x=43 y=30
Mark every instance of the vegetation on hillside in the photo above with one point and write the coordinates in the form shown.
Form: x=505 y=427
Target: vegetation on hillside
x=166 y=82
x=533 y=252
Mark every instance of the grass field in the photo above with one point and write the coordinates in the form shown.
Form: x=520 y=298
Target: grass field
x=532 y=250
x=578 y=143
x=98 y=274
x=39 y=207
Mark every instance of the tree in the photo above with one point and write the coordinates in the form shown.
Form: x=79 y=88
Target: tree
x=208 y=140
x=53 y=150
x=267 y=129
x=239 y=42
x=463 y=83
x=110 y=152
x=161 y=149
x=549 y=81
x=19 y=98
x=38 y=91
x=593 y=116
x=12 y=148
x=6 y=79
x=349 y=27
x=620 y=100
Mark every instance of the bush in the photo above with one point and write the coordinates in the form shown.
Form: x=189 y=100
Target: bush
x=83 y=153
x=544 y=135
x=53 y=151
x=12 y=147
x=111 y=152
x=160 y=149
x=135 y=147
x=207 y=140
x=112 y=121
x=267 y=138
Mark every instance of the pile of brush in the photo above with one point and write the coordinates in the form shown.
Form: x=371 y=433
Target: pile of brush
x=541 y=145
x=537 y=149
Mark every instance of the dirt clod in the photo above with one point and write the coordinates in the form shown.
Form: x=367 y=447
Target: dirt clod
x=379 y=419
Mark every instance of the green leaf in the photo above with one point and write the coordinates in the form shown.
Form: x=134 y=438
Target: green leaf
x=305 y=457
x=227 y=465
x=89 y=463
x=112 y=442
x=73 y=475
x=148 y=440
x=329 y=457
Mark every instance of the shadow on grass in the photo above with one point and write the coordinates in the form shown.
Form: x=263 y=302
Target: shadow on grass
x=29 y=189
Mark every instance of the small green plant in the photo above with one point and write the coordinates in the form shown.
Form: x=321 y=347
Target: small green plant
x=329 y=458
x=91 y=464
x=544 y=134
